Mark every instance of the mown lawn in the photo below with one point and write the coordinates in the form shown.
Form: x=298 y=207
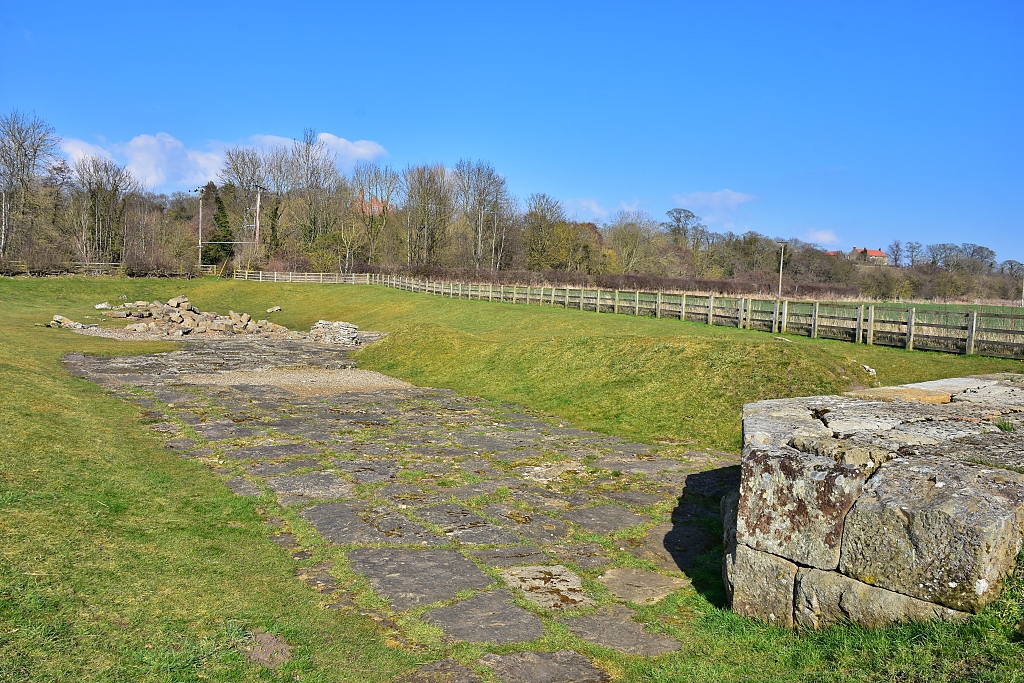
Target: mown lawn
x=123 y=562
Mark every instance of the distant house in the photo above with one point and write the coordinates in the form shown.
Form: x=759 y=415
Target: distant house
x=875 y=257
x=837 y=254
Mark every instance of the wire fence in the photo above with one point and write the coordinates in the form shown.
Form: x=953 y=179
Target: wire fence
x=968 y=332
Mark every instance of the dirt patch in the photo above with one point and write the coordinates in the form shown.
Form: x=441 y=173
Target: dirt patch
x=267 y=649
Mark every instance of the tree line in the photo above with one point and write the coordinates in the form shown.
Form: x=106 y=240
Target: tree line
x=290 y=207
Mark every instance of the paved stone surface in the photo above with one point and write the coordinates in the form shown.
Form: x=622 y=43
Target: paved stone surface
x=488 y=618
x=674 y=547
x=443 y=671
x=508 y=557
x=554 y=587
x=505 y=488
x=640 y=586
x=605 y=519
x=410 y=578
x=243 y=487
x=564 y=666
x=615 y=627
x=358 y=523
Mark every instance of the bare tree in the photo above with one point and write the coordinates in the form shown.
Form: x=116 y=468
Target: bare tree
x=633 y=235
x=896 y=253
x=376 y=188
x=915 y=252
x=481 y=194
x=27 y=146
x=316 y=183
x=100 y=197
x=430 y=207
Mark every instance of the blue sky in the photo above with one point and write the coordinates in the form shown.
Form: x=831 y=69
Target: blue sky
x=839 y=123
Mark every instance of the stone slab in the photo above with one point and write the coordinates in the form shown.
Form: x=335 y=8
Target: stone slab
x=487 y=618
x=640 y=586
x=509 y=557
x=674 y=547
x=640 y=463
x=605 y=519
x=794 y=504
x=243 y=487
x=564 y=666
x=411 y=578
x=583 y=555
x=553 y=587
x=466 y=526
x=358 y=523
x=937 y=530
x=218 y=431
x=369 y=471
x=311 y=486
x=762 y=585
x=270 y=469
x=442 y=671
x=824 y=598
x=615 y=628
x=634 y=498
x=532 y=527
x=270 y=452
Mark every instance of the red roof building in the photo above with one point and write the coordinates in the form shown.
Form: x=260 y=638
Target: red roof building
x=874 y=256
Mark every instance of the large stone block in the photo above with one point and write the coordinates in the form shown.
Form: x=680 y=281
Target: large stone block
x=762 y=585
x=823 y=598
x=773 y=423
x=938 y=530
x=794 y=504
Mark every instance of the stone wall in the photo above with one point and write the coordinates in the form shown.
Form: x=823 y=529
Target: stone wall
x=879 y=506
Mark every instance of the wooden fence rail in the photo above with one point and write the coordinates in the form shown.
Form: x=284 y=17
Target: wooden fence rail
x=972 y=332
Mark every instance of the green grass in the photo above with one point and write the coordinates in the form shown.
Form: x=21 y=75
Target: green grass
x=122 y=562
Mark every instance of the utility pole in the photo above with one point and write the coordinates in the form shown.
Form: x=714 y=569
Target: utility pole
x=199 y=191
x=782 y=254
x=259 y=193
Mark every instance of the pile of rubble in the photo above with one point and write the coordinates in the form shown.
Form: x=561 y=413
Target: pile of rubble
x=178 y=317
x=327 y=332
x=67 y=323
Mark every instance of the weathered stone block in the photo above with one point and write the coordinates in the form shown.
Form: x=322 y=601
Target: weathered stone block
x=762 y=585
x=773 y=423
x=938 y=530
x=823 y=598
x=794 y=504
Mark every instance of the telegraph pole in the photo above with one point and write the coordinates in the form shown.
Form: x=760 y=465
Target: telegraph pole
x=782 y=254
x=259 y=191
x=199 y=191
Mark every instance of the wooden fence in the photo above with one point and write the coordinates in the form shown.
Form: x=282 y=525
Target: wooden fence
x=972 y=332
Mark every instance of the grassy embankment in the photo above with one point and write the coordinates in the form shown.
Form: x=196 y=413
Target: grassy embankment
x=122 y=562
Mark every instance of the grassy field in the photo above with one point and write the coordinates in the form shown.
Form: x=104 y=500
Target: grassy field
x=123 y=562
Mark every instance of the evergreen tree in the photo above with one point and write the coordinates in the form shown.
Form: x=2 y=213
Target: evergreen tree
x=219 y=252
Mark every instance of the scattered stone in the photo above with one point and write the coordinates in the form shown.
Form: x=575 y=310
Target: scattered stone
x=410 y=578
x=605 y=519
x=639 y=586
x=104 y=305
x=614 y=627
x=60 y=321
x=274 y=309
x=267 y=649
x=487 y=618
x=318 y=577
x=554 y=587
x=564 y=666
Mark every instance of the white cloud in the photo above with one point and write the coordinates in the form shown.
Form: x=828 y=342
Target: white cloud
x=162 y=159
x=713 y=207
x=821 y=236
x=588 y=207
x=345 y=151
x=76 y=149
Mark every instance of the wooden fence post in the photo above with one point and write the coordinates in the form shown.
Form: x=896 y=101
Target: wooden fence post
x=739 y=313
x=814 y=321
x=657 y=306
x=616 y=309
x=972 y=331
x=711 y=309
x=682 y=307
x=636 y=302
x=860 y=325
x=910 y=329
x=871 y=325
x=775 y=317
x=582 y=290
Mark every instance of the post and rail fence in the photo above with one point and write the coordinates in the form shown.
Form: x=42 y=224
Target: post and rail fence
x=971 y=332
